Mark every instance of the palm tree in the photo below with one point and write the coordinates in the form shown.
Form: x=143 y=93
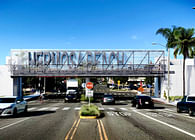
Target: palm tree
x=182 y=41
x=185 y=45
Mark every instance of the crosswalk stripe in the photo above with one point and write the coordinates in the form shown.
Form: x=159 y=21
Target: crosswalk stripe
x=101 y=108
x=32 y=108
x=124 y=109
x=66 y=108
x=111 y=108
x=54 y=108
x=77 y=108
x=44 y=108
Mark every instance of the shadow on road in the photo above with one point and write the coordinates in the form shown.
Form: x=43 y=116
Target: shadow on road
x=158 y=107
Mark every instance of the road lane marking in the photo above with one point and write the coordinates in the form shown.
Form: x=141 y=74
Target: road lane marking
x=104 y=132
x=32 y=108
x=171 y=126
x=66 y=108
x=75 y=129
x=44 y=108
x=1 y=128
x=66 y=138
x=99 y=129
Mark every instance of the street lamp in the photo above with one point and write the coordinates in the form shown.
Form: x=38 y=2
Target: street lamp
x=154 y=43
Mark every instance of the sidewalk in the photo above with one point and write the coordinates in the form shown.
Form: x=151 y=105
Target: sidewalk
x=163 y=101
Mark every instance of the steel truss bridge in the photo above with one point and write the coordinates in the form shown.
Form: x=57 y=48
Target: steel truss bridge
x=87 y=63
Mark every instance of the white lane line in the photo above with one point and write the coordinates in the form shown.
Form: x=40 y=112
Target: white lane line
x=32 y=108
x=176 y=128
x=124 y=109
x=44 y=108
x=54 y=108
x=66 y=108
x=77 y=108
x=1 y=128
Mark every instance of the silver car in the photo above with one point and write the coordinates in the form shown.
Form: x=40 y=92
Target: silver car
x=12 y=105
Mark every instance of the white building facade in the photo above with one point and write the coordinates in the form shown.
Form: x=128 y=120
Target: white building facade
x=176 y=78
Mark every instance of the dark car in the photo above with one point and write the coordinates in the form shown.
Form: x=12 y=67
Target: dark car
x=142 y=101
x=72 y=97
x=187 y=104
x=108 y=99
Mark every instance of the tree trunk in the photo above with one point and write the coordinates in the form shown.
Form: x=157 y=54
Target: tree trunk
x=184 y=59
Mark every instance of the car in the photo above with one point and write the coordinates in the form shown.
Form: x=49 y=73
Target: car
x=192 y=111
x=72 y=96
x=12 y=105
x=187 y=104
x=142 y=101
x=108 y=99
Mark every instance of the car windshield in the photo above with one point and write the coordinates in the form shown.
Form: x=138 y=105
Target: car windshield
x=108 y=96
x=143 y=97
x=7 y=100
x=191 y=99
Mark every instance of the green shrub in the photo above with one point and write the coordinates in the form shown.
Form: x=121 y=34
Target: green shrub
x=91 y=110
x=173 y=98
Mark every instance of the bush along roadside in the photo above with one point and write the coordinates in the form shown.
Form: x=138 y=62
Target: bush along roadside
x=90 y=111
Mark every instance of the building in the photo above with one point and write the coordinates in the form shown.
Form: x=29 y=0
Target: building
x=176 y=78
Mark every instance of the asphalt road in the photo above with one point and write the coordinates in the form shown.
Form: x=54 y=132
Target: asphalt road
x=55 y=120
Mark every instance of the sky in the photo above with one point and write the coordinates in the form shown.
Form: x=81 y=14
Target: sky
x=89 y=24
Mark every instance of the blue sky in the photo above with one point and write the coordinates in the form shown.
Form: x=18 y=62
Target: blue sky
x=89 y=24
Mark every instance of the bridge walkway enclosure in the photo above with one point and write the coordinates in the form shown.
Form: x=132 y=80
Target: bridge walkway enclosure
x=87 y=63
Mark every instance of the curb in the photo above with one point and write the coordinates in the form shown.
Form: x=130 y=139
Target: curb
x=163 y=102
x=88 y=117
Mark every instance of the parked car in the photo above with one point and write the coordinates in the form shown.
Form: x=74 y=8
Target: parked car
x=142 y=101
x=12 y=106
x=108 y=99
x=187 y=104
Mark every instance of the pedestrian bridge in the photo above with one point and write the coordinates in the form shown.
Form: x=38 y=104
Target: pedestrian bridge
x=87 y=63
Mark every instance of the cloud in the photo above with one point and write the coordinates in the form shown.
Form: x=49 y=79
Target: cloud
x=133 y=37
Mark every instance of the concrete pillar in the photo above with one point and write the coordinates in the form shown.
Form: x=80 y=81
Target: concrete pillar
x=17 y=86
x=156 y=85
x=44 y=84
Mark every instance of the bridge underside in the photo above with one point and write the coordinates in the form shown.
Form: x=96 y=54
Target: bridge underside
x=151 y=71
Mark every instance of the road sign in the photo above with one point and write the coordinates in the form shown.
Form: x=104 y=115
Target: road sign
x=89 y=93
x=89 y=85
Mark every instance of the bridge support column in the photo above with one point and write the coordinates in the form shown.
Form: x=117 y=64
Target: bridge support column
x=157 y=86
x=17 y=86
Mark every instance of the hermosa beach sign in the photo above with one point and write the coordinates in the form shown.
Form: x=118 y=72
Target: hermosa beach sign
x=75 y=57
